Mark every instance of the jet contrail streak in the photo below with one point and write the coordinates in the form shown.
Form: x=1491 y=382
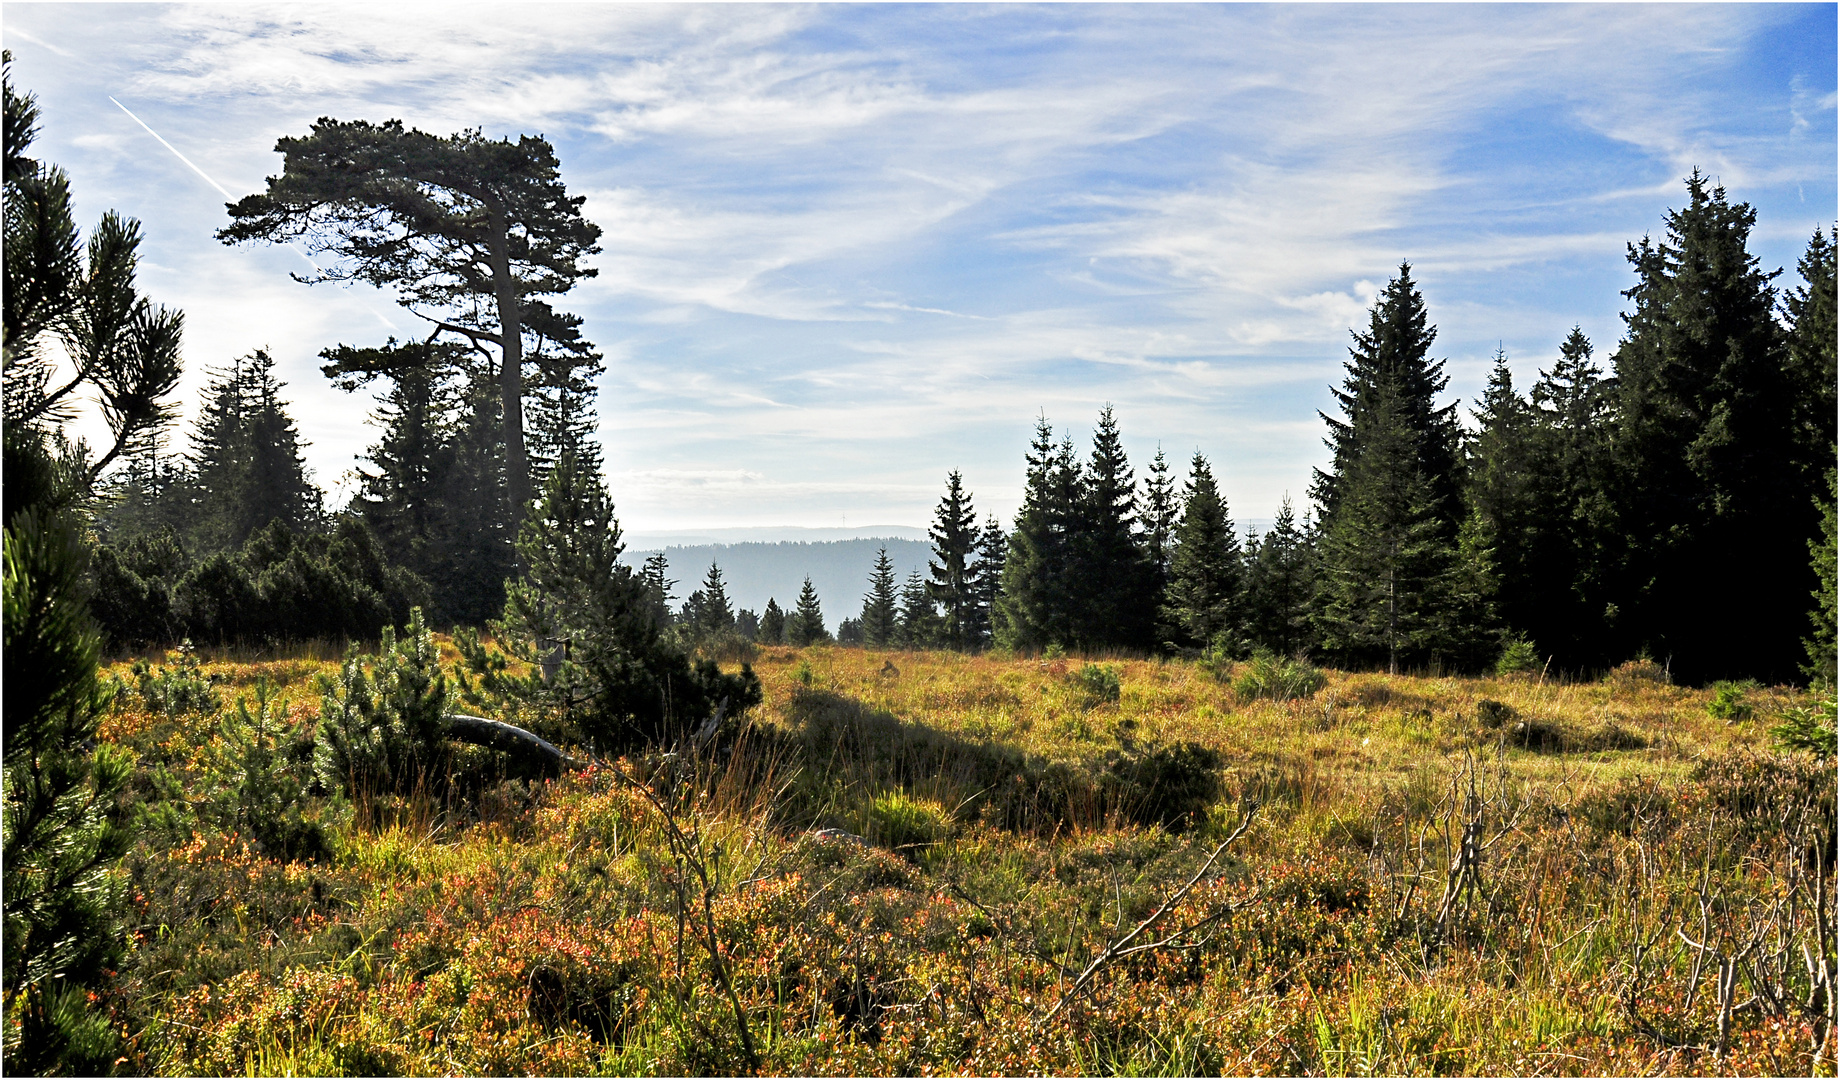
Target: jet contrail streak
x=226 y=194
x=175 y=152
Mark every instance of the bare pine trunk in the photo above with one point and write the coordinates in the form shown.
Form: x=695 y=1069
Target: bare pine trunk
x=511 y=372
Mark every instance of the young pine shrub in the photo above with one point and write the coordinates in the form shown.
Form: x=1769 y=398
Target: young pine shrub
x=1728 y=701
x=382 y=730
x=263 y=766
x=1808 y=728
x=1518 y=656
x=1280 y=679
x=178 y=689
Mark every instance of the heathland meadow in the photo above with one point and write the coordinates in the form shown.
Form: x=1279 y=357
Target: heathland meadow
x=929 y=862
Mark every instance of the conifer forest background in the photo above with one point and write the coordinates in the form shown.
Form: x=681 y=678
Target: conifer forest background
x=1508 y=749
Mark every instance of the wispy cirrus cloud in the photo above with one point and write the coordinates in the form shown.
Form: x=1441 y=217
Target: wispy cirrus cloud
x=849 y=247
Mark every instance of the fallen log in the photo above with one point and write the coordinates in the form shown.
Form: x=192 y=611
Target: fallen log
x=498 y=735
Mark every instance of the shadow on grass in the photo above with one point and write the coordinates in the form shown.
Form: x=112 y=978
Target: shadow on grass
x=845 y=746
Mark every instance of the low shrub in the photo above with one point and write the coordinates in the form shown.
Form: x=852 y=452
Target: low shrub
x=1279 y=679
x=1640 y=670
x=178 y=689
x=1097 y=683
x=1170 y=786
x=899 y=821
x=1809 y=728
x=1728 y=701
x=1495 y=714
x=1518 y=655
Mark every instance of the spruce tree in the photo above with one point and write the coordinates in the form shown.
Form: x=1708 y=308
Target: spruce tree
x=919 y=621
x=657 y=588
x=1115 y=597
x=992 y=550
x=1204 y=603
x=402 y=497
x=478 y=553
x=880 y=626
x=1505 y=481
x=1824 y=642
x=1034 y=609
x=1162 y=509
x=1812 y=345
x=1279 y=586
x=1388 y=555
x=708 y=616
x=1391 y=582
x=1713 y=491
x=772 y=624
x=1575 y=548
x=1393 y=358
x=806 y=626
x=952 y=588
x=246 y=461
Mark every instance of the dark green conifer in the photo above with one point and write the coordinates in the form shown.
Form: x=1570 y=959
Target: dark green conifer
x=1388 y=555
x=1162 y=509
x=1034 y=609
x=772 y=624
x=806 y=626
x=1279 y=586
x=1506 y=481
x=880 y=626
x=1114 y=601
x=1713 y=492
x=1204 y=603
x=919 y=620
x=952 y=588
x=992 y=550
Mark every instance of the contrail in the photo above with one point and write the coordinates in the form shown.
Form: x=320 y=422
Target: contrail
x=226 y=194
x=175 y=152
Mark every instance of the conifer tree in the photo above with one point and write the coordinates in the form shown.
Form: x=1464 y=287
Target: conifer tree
x=1812 y=346
x=1388 y=554
x=1824 y=642
x=992 y=550
x=1162 y=509
x=1204 y=602
x=806 y=626
x=1574 y=550
x=1393 y=358
x=1034 y=609
x=952 y=588
x=919 y=621
x=1279 y=586
x=479 y=556
x=1115 y=596
x=880 y=626
x=1391 y=584
x=1505 y=481
x=772 y=624
x=1713 y=494
x=707 y=615
x=246 y=461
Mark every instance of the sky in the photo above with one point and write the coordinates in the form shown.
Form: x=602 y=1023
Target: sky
x=847 y=249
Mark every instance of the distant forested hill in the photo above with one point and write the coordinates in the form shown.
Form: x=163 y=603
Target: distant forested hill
x=752 y=572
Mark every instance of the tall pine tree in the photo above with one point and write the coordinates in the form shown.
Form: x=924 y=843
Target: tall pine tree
x=806 y=626
x=1713 y=491
x=1279 y=588
x=1204 y=602
x=879 y=622
x=954 y=584
x=1115 y=599
x=1035 y=608
x=1390 y=506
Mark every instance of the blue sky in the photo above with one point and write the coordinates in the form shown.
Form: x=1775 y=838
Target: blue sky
x=850 y=248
